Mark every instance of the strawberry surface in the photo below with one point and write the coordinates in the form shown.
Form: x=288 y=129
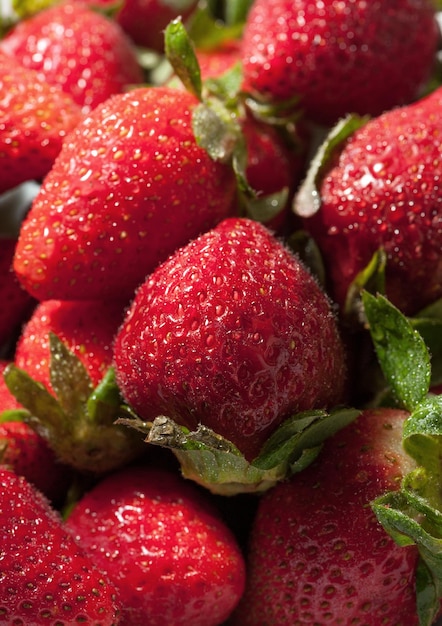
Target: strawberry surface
x=129 y=187
x=34 y=120
x=317 y=553
x=164 y=545
x=45 y=577
x=339 y=57
x=80 y=50
x=233 y=332
x=381 y=191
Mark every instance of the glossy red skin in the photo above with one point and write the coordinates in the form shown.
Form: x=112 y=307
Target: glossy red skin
x=317 y=554
x=87 y=329
x=383 y=190
x=339 y=57
x=34 y=120
x=17 y=304
x=129 y=187
x=45 y=578
x=233 y=332
x=172 y=558
x=86 y=54
x=28 y=454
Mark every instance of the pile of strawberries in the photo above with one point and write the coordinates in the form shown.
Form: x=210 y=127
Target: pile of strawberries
x=221 y=313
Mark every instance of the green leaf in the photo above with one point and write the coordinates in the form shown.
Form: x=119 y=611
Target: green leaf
x=307 y=201
x=429 y=324
x=422 y=434
x=14 y=415
x=236 y=11
x=208 y=32
x=304 y=431
x=105 y=402
x=401 y=514
x=401 y=351
x=227 y=86
x=263 y=208
x=371 y=278
x=180 y=53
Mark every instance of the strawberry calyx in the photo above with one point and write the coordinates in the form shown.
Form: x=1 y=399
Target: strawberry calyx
x=413 y=514
x=216 y=119
x=77 y=420
x=307 y=200
x=215 y=463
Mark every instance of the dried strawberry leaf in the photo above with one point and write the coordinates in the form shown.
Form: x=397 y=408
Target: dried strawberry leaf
x=307 y=200
x=401 y=351
x=216 y=130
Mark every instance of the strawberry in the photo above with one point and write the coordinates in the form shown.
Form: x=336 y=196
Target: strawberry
x=17 y=304
x=87 y=328
x=62 y=360
x=7 y=401
x=29 y=455
x=317 y=553
x=34 y=120
x=162 y=543
x=135 y=161
x=135 y=14
x=45 y=577
x=85 y=53
x=231 y=332
x=337 y=58
x=379 y=191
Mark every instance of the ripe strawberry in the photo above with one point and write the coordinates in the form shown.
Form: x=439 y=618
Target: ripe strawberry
x=164 y=546
x=85 y=53
x=338 y=58
x=129 y=187
x=45 y=577
x=62 y=377
x=317 y=554
x=7 y=401
x=134 y=15
x=34 y=119
x=17 y=304
x=28 y=455
x=380 y=190
x=232 y=332
x=87 y=329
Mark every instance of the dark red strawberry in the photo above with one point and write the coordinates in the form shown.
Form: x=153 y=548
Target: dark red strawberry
x=17 y=304
x=34 y=120
x=45 y=577
x=232 y=332
x=380 y=192
x=28 y=455
x=7 y=401
x=339 y=57
x=317 y=553
x=164 y=545
x=130 y=186
x=70 y=45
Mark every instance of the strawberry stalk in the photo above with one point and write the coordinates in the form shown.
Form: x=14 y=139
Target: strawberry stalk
x=413 y=514
x=78 y=420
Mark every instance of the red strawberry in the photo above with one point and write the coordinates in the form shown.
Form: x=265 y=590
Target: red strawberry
x=380 y=190
x=164 y=546
x=34 y=119
x=17 y=304
x=134 y=15
x=87 y=329
x=216 y=61
x=45 y=577
x=338 y=58
x=130 y=186
x=62 y=377
x=234 y=333
x=317 y=553
x=85 y=53
x=29 y=455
